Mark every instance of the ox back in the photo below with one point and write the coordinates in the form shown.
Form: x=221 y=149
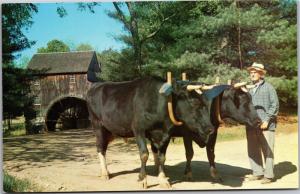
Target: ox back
x=123 y=107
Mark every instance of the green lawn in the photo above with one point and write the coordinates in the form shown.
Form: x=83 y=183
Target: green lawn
x=13 y=184
x=229 y=133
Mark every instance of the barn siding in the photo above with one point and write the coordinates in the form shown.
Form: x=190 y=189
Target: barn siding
x=54 y=87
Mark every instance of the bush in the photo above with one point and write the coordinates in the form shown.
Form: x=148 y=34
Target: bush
x=225 y=73
x=194 y=64
x=17 y=129
x=286 y=90
x=12 y=184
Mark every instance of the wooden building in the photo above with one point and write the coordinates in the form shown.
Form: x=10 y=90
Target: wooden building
x=61 y=88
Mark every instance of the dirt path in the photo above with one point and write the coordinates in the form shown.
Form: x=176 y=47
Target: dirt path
x=67 y=161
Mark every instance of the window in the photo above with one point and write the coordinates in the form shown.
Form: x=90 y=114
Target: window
x=37 y=101
x=72 y=79
x=37 y=85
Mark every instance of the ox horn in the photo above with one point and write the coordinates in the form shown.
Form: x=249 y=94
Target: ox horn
x=250 y=86
x=238 y=85
x=170 y=105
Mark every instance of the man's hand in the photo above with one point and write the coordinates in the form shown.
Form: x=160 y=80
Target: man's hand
x=264 y=125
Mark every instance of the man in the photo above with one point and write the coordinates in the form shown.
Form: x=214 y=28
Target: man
x=261 y=140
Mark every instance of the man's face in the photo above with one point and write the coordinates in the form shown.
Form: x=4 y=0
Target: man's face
x=255 y=75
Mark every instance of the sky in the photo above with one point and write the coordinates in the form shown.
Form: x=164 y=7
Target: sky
x=96 y=29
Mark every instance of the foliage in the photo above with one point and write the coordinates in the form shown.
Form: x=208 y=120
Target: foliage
x=84 y=47
x=13 y=184
x=113 y=69
x=17 y=96
x=142 y=21
x=208 y=39
x=286 y=90
x=54 y=46
x=225 y=73
x=17 y=129
x=24 y=61
x=15 y=18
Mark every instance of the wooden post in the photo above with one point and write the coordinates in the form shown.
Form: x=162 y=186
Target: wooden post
x=229 y=82
x=183 y=76
x=217 y=80
x=169 y=77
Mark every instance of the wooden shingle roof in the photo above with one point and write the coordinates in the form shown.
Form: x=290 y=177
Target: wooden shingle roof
x=64 y=62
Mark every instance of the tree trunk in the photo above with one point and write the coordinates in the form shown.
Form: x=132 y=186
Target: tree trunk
x=137 y=45
x=239 y=35
x=9 y=123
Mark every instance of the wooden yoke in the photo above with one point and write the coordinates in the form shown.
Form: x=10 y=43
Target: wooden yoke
x=170 y=105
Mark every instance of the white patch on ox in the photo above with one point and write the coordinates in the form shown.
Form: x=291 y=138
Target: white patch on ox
x=104 y=171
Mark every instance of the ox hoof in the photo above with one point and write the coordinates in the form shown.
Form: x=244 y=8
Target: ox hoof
x=215 y=175
x=217 y=179
x=104 y=177
x=143 y=183
x=164 y=183
x=188 y=176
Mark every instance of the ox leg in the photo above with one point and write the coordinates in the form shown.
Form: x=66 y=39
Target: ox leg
x=102 y=139
x=163 y=180
x=189 y=153
x=155 y=156
x=144 y=154
x=210 y=150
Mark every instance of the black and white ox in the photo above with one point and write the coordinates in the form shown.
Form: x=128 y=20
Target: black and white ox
x=231 y=101
x=137 y=109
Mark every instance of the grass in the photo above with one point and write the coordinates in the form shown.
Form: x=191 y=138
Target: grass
x=238 y=132
x=13 y=184
x=17 y=129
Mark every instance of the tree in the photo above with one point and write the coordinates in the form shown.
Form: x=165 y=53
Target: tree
x=117 y=66
x=15 y=18
x=231 y=32
x=84 y=47
x=143 y=21
x=54 y=46
x=17 y=96
x=23 y=62
x=17 y=99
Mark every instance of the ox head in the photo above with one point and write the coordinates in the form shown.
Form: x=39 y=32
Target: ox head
x=192 y=108
x=237 y=105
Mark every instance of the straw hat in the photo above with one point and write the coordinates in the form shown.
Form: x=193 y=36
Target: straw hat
x=257 y=67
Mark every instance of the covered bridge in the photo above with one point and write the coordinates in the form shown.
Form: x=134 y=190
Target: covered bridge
x=61 y=87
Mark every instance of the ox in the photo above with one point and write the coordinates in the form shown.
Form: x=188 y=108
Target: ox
x=230 y=102
x=137 y=109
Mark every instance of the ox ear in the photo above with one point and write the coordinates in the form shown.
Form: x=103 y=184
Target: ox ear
x=166 y=89
x=250 y=86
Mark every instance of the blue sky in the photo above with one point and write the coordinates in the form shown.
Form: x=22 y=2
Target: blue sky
x=77 y=27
